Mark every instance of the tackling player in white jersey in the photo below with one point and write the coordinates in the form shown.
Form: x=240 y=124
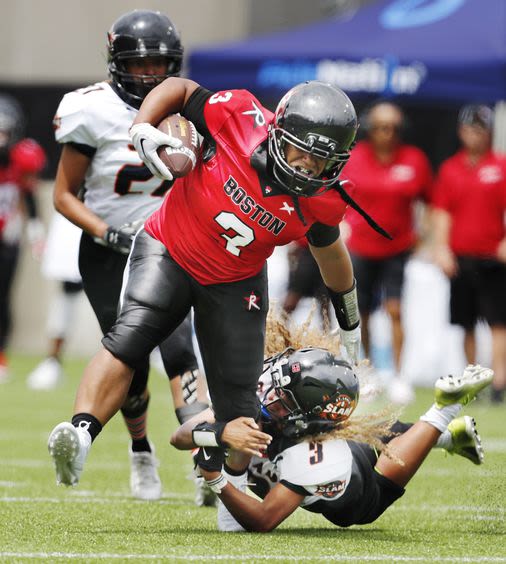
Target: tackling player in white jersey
x=308 y=463
x=103 y=187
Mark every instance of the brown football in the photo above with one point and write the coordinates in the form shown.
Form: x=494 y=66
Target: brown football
x=179 y=161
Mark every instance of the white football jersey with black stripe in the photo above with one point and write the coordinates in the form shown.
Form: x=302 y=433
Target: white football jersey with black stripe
x=119 y=187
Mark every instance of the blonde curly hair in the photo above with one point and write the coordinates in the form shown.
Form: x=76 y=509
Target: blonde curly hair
x=370 y=428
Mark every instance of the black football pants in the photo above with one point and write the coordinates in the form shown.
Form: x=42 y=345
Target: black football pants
x=229 y=322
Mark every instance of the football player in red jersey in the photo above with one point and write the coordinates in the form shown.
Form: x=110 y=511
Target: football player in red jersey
x=390 y=176
x=262 y=180
x=92 y=124
x=21 y=161
x=470 y=236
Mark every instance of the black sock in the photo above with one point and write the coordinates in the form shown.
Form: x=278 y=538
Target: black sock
x=90 y=423
x=141 y=445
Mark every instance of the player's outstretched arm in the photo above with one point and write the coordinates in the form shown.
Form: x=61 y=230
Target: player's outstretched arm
x=253 y=515
x=70 y=175
x=337 y=273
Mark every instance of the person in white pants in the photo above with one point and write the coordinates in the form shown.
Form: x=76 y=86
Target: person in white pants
x=59 y=263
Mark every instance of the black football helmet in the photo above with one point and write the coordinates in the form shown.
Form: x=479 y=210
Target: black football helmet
x=12 y=121
x=318 y=118
x=139 y=34
x=316 y=389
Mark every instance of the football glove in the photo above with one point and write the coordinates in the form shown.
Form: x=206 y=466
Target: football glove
x=120 y=239
x=146 y=140
x=350 y=341
x=210 y=458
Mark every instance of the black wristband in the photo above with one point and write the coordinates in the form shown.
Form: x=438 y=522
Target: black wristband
x=346 y=307
x=210 y=458
x=208 y=434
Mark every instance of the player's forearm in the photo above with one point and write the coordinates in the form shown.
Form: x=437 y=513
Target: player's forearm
x=182 y=438
x=75 y=211
x=169 y=97
x=335 y=266
x=248 y=512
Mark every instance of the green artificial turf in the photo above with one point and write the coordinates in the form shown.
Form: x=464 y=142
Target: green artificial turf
x=452 y=511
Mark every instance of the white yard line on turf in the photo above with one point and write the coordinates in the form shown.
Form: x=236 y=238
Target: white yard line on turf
x=459 y=508
x=99 y=499
x=91 y=497
x=38 y=463
x=254 y=557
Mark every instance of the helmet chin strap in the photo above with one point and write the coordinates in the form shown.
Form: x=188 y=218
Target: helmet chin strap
x=296 y=205
x=351 y=202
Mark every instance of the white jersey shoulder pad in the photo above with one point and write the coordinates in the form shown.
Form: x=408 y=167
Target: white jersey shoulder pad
x=85 y=115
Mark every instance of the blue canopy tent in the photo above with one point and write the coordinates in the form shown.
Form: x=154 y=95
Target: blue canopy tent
x=429 y=51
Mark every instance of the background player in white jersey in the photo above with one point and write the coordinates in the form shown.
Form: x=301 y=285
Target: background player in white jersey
x=310 y=463
x=119 y=194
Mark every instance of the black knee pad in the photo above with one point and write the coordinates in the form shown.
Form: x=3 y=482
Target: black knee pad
x=135 y=406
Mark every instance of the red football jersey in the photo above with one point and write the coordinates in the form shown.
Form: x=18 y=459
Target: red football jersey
x=223 y=220
x=25 y=158
x=387 y=192
x=475 y=197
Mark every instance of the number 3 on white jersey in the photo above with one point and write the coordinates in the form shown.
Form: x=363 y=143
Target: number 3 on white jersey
x=244 y=234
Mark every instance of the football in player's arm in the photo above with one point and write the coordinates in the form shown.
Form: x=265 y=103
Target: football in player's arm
x=307 y=464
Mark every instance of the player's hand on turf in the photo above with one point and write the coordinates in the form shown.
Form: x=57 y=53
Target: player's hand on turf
x=350 y=341
x=244 y=434
x=210 y=459
x=146 y=140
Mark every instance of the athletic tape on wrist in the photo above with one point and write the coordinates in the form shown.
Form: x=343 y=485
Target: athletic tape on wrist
x=217 y=484
x=208 y=434
x=346 y=307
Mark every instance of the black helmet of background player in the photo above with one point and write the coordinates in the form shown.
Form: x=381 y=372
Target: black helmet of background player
x=318 y=118
x=11 y=125
x=316 y=390
x=140 y=34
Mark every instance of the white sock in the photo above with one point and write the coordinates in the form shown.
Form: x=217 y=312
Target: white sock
x=445 y=440
x=441 y=417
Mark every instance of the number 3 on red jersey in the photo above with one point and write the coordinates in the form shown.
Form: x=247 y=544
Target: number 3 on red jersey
x=244 y=235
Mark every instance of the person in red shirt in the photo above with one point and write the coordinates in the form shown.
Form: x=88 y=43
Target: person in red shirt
x=304 y=280
x=388 y=176
x=262 y=180
x=21 y=161
x=470 y=236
